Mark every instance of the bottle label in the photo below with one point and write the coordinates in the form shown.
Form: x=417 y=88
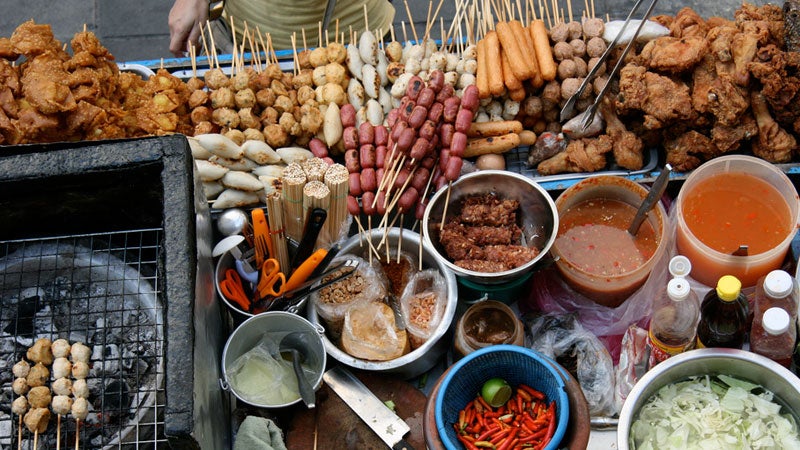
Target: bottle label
x=660 y=351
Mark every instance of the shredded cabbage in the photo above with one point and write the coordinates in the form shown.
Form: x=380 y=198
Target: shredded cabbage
x=708 y=413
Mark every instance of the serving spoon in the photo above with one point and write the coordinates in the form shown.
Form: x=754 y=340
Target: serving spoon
x=656 y=191
x=296 y=343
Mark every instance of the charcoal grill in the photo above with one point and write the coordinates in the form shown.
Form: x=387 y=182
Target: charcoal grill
x=109 y=244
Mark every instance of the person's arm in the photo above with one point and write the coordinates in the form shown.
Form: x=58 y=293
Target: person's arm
x=185 y=19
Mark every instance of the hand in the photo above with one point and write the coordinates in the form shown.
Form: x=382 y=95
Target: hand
x=185 y=19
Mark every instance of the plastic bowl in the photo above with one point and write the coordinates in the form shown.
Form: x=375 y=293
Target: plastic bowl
x=421 y=359
x=708 y=265
x=250 y=332
x=537 y=217
x=612 y=290
x=517 y=365
x=709 y=361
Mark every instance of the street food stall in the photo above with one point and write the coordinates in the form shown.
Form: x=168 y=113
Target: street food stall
x=451 y=242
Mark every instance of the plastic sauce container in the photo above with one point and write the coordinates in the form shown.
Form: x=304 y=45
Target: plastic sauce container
x=486 y=323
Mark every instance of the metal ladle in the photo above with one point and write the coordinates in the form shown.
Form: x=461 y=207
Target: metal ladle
x=650 y=201
x=296 y=343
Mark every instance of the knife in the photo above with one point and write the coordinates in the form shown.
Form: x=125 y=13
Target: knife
x=385 y=423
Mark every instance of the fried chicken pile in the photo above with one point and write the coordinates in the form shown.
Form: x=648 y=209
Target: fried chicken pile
x=48 y=95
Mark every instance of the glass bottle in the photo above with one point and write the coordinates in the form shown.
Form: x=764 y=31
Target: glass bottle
x=673 y=325
x=774 y=335
x=723 y=315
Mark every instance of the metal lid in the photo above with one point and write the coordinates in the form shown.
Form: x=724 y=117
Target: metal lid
x=728 y=288
x=680 y=266
x=678 y=289
x=776 y=321
x=778 y=284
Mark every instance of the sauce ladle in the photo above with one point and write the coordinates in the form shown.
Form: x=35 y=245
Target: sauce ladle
x=656 y=191
x=296 y=343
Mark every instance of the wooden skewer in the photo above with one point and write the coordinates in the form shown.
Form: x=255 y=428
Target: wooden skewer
x=35 y=439
x=303 y=34
x=366 y=18
x=213 y=46
x=446 y=201
x=319 y=30
x=233 y=55
x=569 y=9
x=405 y=36
x=263 y=46
x=77 y=434
x=194 y=60
x=205 y=47
x=295 y=58
x=58 y=433
x=19 y=433
x=586 y=8
x=411 y=22
x=419 y=264
x=400 y=239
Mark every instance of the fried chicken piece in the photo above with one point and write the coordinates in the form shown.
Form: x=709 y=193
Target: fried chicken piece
x=774 y=144
x=719 y=41
x=688 y=23
x=456 y=244
x=582 y=155
x=779 y=74
x=674 y=55
x=37 y=127
x=660 y=98
x=30 y=39
x=766 y=21
x=627 y=146
x=728 y=138
x=86 y=41
x=727 y=101
x=86 y=118
x=703 y=78
x=689 y=150
x=743 y=49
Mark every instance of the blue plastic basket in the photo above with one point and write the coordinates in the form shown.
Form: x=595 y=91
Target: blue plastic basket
x=515 y=364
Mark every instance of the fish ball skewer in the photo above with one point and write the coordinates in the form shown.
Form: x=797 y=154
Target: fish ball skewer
x=80 y=352
x=19 y=407
x=62 y=404
x=39 y=397
x=61 y=368
x=80 y=370
x=41 y=352
x=79 y=410
x=21 y=369
x=38 y=375
x=80 y=389
x=64 y=386
x=20 y=386
x=60 y=348
x=36 y=420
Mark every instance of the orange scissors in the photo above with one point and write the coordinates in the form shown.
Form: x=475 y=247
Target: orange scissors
x=272 y=280
x=233 y=289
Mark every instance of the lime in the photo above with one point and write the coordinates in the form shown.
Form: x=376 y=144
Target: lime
x=496 y=392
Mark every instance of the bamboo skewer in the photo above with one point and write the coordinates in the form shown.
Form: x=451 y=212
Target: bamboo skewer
x=337 y=180
x=77 y=434
x=58 y=433
x=293 y=180
x=277 y=228
x=411 y=22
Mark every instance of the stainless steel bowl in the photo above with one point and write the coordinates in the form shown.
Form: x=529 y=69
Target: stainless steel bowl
x=423 y=357
x=537 y=216
x=710 y=361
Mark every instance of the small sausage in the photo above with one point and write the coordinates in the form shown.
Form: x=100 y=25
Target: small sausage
x=419 y=211
x=406 y=109
x=426 y=97
x=406 y=139
x=415 y=85
x=451 y=106
x=392 y=117
x=402 y=177
x=458 y=144
x=381 y=135
x=367 y=202
x=469 y=98
x=420 y=178
x=433 y=144
x=436 y=80
x=351 y=161
x=381 y=203
x=348 y=114
x=427 y=130
x=350 y=138
x=352 y=206
x=318 y=148
x=329 y=161
x=444 y=156
x=419 y=149
x=397 y=129
x=355 y=183
x=366 y=156
x=366 y=133
x=369 y=182
x=435 y=112
x=446 y=134
x=453 y=169
x=463 y=120
x=380 y=156
x=408 y=199
x=446 y=92
x=379 y=176
x=427 y=162
x=417 y=117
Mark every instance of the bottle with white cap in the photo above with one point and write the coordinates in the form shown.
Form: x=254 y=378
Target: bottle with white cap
x=774 y=336
x=777 y=288
x=676 y=312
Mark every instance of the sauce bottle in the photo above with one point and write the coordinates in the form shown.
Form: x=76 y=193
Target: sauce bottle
x=723 y=315
x=776 y=289
x=773 y=335
x=673 y=324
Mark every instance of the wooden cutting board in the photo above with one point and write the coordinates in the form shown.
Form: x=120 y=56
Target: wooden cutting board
x=339 y=427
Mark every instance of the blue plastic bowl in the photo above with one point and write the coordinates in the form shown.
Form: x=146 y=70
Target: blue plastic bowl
x=515 y=364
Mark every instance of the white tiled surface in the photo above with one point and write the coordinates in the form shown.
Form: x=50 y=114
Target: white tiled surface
x=603 y=440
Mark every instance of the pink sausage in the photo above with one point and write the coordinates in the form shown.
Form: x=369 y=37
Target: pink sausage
x=417 y=116
x=420 y=178
x=433 y=144
x=451 y=109
x=380 y=156
x=435 y=112
x=408 y=199
x=444 y=156
x=350 y=138
x=440 y=182
x=459 y=144
x=415 y=85
x=351 y=161
x=446 y=134
x=469 y=98
x=379 y=176
x=402 y=176
x=453 y=169
x=427 y=130
x=436 y=80
x=318 y=148
x=426 y=97
x=367 y=157
x=428 y=162
x=329 y=161
x=381 y=205
x=406 y=109
x=366 y=133
x=463 y=120
x=369 y=181
x=392 y=117
x=419 y=211
x=419 y=149
x=397 y=129
x=366 y=202
x=381 y=135
x=406 y=139
x=352 y=206
x=355 y=183
x=348 y=115
x=446 y=92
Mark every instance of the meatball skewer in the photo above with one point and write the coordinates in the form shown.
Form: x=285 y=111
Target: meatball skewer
x=79 y=410
x=62 y=404
x=19 y=407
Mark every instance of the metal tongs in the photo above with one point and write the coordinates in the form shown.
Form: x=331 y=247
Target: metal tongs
x=569 y=108
x=290 y=300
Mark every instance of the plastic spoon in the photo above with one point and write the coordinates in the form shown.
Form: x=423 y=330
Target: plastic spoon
x=296 y=343
x=652 y=198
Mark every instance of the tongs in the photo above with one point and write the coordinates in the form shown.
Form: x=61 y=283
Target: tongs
x=569 y=108
x=290 y=300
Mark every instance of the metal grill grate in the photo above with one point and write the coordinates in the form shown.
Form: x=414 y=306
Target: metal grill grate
x=104 y=290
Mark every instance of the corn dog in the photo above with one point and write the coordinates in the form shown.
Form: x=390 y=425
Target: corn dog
x=516 y=56
x=544 y=54
x=511 y=82
x=493 y=63
x=519 y=95
x=486 y=129
x=525 y=43
x=482 y=74
x=491 y=144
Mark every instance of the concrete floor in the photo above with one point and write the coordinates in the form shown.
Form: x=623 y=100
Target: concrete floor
x=137 y=31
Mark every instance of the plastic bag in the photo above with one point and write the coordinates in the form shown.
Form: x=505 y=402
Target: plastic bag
x=398 y=270
x=561 y=337
x=332 y=302
x=249 y=372
x=632 y=362
x=370 y=332
x=422 y=304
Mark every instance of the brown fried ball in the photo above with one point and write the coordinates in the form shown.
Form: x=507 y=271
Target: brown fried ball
x=247 y=119
x=225 y=117
x=216 y=78
x=245 y=98
x=41 y=351
x=200 y=114
x=337 y=53
x=36 y=420
x=198 y=98
x=222 y=98
x=38 y=375
x=265 y=97
x=39 y=397
x=276 y=136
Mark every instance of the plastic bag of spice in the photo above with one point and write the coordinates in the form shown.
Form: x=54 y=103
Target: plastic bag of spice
x=332 y=302
x=370 y=332
x=398 y=270
x=422 y=304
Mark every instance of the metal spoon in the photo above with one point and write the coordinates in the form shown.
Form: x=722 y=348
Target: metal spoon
x=232 y=221
x=743 y=250
x=650 y=201
x=296 y=343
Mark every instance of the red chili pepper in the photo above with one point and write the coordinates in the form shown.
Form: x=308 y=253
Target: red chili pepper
x=466 y=443
x=498 y=436
x=483 y=403
x=551 y=428
x=533 y=392
x=525 y=396
x=509 y=439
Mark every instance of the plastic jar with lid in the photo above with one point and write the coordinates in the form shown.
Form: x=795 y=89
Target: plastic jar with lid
x=485 y=323
x=773 y=335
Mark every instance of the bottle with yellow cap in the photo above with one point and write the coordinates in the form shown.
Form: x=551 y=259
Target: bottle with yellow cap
x=723 y=315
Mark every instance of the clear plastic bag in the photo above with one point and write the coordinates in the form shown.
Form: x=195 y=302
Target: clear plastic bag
x=249 y=372
x=422 y=304
x=332 y=302
x=561 y=337
x=370 y=332
x=632 y=362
